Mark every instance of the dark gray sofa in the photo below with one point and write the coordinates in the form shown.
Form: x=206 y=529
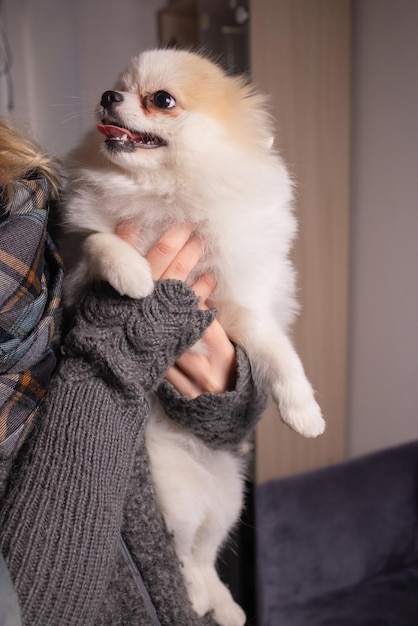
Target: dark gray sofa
x=339 y=546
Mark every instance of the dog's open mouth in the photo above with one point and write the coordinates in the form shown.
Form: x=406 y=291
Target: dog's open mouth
x=118 y=138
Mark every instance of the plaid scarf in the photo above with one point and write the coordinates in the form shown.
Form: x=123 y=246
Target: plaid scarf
x=30 y=287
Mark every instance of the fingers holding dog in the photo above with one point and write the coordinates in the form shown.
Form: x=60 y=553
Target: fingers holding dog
x=204 y=286
x=175 y=254
x=212 y=368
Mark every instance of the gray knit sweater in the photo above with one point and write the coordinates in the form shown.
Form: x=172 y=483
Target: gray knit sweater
x=79 y=520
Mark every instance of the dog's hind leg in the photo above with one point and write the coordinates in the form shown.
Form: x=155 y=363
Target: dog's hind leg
x=220 y=518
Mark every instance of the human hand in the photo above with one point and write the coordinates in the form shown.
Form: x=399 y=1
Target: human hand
x=212 y=366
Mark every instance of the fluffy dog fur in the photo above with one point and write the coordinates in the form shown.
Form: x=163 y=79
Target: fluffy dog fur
x=186 y=143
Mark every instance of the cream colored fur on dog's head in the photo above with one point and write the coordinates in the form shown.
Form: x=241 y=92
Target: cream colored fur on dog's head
x=209 y=109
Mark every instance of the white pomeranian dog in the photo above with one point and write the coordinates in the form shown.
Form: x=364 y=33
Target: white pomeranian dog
x=185 y=143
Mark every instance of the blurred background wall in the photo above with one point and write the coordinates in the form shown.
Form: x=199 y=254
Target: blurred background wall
x=64 y=54
x=383 y=338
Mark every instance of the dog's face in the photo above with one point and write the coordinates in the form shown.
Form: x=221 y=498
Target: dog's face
x=172 y=103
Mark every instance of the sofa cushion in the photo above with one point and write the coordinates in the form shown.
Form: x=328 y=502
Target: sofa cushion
x=387 y=600
x=328 y=531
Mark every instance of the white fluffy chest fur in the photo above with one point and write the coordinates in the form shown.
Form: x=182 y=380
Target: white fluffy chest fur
x=235 y=211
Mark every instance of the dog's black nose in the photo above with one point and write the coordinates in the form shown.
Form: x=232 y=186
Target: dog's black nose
x=109 y=98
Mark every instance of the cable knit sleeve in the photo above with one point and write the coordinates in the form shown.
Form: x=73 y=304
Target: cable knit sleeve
x=62 y=514
x=135 y=341
x=223 y=419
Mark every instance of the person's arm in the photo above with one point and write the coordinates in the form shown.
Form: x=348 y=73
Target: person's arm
x=61 y=517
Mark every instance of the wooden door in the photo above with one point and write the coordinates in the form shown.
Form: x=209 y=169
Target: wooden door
x=300 y=56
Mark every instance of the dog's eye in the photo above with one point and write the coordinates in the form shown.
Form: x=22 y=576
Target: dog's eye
x=163 y=100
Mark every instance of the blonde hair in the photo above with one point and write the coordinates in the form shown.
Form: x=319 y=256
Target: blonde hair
x=20 y=156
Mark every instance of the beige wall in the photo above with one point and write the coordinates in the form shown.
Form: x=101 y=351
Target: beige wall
x=301 y=57
x=383 y=365
x=383 y=304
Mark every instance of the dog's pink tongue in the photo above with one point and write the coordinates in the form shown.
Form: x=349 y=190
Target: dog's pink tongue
x=114 y=132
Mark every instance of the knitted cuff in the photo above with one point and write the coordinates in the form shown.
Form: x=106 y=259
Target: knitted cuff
x=136 y=341
x=223 y=419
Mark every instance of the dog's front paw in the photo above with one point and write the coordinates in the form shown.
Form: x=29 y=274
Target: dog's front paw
x=302 y=413
x=117 y=262
x=134 y=281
